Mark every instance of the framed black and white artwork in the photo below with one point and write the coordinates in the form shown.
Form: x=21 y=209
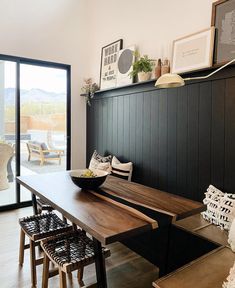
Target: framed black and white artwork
x=108 y=68
x=126 y=59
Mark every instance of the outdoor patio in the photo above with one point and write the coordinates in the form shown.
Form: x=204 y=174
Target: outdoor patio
x=31 y=167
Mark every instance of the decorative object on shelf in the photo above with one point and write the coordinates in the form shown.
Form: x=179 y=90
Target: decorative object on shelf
x=142 y=67
x=223 y=13
x=124 y=66
x=89 y=89
x=158 y=69
x=193 y=52
x=165 y=68
x=171 y=80
x=108 y=68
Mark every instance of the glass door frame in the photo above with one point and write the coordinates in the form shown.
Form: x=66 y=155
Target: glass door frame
x=19 y=61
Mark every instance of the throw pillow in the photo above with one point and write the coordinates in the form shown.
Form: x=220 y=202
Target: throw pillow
x=44 y=147
x=226 y=211
x=122 y=170
x=231 y=236
x=230 y=279
x=220 y=207
x=100 y=162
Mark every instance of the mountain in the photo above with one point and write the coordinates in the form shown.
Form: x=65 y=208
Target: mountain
x=33 y=95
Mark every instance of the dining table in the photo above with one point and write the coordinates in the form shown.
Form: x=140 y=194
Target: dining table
x=110 y=213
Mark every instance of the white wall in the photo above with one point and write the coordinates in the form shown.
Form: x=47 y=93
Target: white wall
x=74 y=31
x=52 y=30
x=150 y=24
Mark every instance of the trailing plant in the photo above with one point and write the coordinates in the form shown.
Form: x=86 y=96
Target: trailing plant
x=89 y=89
x=142 y=64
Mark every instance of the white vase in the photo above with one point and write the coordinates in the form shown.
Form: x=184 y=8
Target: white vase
x=144 y=76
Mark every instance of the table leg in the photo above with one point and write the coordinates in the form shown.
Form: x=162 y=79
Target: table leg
x=99 y=265
x=34 y=201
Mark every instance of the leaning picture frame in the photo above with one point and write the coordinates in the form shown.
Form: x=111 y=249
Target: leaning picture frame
x=222 y=19
x=193 y=52
x=108 y=66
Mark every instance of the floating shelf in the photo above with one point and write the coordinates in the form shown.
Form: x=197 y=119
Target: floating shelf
x=185 y=75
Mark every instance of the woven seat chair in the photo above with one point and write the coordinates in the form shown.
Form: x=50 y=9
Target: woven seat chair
x=44 y=206
x=69 y=251
x=38 y=227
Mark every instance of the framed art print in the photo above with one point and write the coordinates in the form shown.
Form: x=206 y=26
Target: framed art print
x=126 y=59
x=108 y=68
x=223 y=18
x=193 y=52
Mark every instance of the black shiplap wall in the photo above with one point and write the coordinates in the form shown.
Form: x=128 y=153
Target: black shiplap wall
x=180 y=140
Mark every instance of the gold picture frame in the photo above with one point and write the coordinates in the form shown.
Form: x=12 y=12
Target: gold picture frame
x=193 y=52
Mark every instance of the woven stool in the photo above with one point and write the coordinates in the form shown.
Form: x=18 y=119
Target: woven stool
x=70 y=251
x=44 y=206
x=38 y=227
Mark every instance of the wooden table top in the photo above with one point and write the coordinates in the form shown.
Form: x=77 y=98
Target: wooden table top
x=104 y=219
x=208 y=271
x=107 y=220
x=166 y=203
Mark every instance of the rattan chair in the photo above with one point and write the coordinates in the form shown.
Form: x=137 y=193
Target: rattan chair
x=38 y=227
x=70 y=251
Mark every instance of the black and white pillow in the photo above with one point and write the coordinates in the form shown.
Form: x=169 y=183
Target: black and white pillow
x=220 y=207
x=122 y=170
x=231 y=236
x=230 y=281
x=100 y=162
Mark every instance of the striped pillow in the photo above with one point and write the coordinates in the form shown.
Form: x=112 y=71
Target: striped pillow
x=122 y=170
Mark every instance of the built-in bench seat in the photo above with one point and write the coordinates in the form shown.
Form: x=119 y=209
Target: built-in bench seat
x=199 y=226
x=207 y=271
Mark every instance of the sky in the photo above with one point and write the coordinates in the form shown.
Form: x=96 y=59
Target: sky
x=32 y=77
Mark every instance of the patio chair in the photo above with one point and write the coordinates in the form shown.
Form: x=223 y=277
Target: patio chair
x=6 y=152
x=42 y=152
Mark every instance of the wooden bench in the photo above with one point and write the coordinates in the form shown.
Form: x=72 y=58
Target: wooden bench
x=211 y=269
x=41 y=151
x=208 y=271
x=197 y=225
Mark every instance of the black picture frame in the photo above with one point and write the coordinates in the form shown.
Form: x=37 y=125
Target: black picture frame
x=108 y=64
x=224 y=49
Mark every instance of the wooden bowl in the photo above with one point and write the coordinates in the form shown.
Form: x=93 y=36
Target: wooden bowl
x=88 y=182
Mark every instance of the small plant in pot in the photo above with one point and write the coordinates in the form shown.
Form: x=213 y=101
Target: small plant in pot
x=142 y=67
x=89 y=89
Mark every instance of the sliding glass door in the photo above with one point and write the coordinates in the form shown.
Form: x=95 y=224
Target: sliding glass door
x=34 y=122
x=43 y=122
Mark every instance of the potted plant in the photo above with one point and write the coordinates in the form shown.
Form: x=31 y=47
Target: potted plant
x=89 y=89
x=142 y=67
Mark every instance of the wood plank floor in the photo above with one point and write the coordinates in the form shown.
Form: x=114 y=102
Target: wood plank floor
x=124 y=268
